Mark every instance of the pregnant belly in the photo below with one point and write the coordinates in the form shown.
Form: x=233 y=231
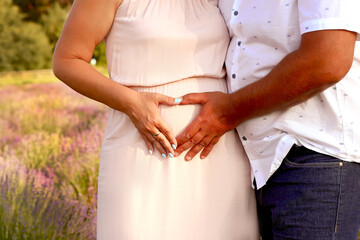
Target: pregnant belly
x=176 y=117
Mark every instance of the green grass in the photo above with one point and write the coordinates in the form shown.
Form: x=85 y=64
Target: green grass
x=33 y=77
x=19 y=79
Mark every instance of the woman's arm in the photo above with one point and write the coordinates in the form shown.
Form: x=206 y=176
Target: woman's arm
x=87 y=25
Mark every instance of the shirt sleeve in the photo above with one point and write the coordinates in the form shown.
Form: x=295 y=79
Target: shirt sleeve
x=329 y=14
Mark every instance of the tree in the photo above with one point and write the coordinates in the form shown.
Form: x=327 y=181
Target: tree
x=52 y=22
x=34 y=9
x=23 y=45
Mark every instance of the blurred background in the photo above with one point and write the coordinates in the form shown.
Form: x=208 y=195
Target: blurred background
x=50 y=136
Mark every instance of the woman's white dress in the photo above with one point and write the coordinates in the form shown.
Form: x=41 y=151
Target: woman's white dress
x=172 y=47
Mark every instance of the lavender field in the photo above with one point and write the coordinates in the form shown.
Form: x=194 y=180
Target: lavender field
x=50 y=140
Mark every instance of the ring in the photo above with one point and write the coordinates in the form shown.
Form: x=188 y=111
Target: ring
x=156 y=134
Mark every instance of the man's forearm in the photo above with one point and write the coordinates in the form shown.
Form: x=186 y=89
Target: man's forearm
x=323 y=59
x=298 y=77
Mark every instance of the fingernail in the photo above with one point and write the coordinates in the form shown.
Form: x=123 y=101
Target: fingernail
x=202 y=157
x=173 y=146
x=188 y=158
x=164 y=156
x=171 y=155
x=150 y=152
x=177 y=100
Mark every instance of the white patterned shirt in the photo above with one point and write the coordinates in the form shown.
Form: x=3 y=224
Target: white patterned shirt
x=263 y=33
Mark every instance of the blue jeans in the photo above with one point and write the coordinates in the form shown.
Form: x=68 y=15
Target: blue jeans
x=311 y=196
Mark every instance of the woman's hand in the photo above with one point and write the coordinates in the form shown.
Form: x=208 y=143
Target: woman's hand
x=88 y=24
x=144 y=113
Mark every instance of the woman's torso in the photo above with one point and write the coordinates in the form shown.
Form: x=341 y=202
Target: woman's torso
x=171 y=47
x=154 y=42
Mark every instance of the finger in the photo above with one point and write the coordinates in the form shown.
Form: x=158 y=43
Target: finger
x=166 y=100
x=188 y=132
x=209 y=147
x=198 y=147
x=149 y=145
x=158 y=146
x=190 y=143
x=194 y=98
x=163 y=128
x=165 y=144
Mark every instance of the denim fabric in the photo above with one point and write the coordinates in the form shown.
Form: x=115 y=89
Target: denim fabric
x=311 y=196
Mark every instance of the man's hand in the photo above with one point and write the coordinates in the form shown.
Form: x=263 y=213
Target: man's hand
x=322 y=59
x=214 y=119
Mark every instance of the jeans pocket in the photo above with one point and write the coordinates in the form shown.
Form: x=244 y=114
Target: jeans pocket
x=312 y=160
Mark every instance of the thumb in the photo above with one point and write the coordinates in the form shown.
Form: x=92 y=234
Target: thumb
x=194 y=98
x=166 y=100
